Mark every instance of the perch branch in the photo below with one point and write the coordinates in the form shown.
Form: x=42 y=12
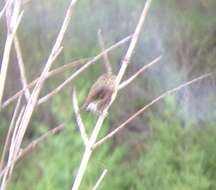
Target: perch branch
x=93 y=137
x=105 y=56
x=133 y=42
x=83 y=68
x=123 y=125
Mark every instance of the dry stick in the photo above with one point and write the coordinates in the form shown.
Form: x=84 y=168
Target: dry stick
x=21 y=67
x=14 y=23
x=123 y=125
x=4 y=8
x=79 y=119
x=39 y=140
x=33 y=145
x=92 y=140
x=36 y=91
x=50 y=74
x=83 y=68
x=12 y=98
x=100 y=180
x=133 y=42
x=128 y=81
x=105 y=57
x=87 y=154
x=11 y=150
x=9 y=134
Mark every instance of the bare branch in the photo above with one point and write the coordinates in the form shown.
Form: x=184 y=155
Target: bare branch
x=9 y=134
x=79 y=119
x=39 y=140
x=133 y=42
x=105 y=56
x=8 y=171
x=123 y=125
x=21 y=67
x=87 y=153
x=4 y=8
x=83 y=68
x=100 y=180
x=14 y=23
x=33 y=145
x=128 y=81
x=50 y=74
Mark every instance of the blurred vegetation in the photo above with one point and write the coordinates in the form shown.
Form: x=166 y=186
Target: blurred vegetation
x=172 y=146
x=169 y=157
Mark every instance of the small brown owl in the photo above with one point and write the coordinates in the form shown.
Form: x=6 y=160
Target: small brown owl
x=100 y=94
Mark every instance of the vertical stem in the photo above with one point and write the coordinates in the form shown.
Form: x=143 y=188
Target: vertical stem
x=87 y=153
x=12 y=19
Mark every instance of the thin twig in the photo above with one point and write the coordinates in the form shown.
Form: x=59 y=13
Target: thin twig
x=7 y=172
x=100 y=180
x=79 y=119
x=133 y=42
x=14 y=23
x=4 y=8
x=39 y=140
x=13 y=148
x=87 y=153
x=83 y=68
x=9 y=134
x=168 y=92
x=128 y=81
x=50 y=74
x=105 y=56
x=21 y=67
x=33 y=145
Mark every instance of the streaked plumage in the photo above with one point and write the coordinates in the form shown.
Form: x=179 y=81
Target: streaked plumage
x=100 y=94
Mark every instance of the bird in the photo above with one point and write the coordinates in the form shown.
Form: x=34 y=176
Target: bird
x=100 y=94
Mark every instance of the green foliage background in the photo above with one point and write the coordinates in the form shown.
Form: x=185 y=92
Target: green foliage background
x=171 y=146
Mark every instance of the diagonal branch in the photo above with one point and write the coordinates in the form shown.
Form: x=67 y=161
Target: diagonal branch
x=21 y=67
x=100 y=180
x=4 y=8
x=9 y=134
x=168 y=92
x=79 y=119
x=83 y=68
x=105 y=57
x=133 y=42
x=12 y=28
x=7 y=171
x=128 y=81
x=33 y=145
x=50 y=74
